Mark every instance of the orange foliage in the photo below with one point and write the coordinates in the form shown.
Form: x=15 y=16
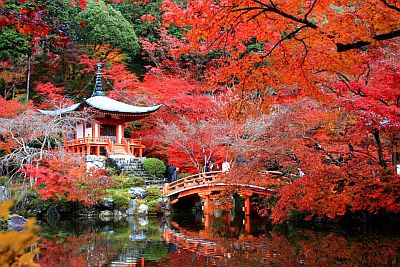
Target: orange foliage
x=279 y=48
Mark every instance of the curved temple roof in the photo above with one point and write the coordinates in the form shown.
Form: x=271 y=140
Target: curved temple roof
x=101 y=102
x=105 y=104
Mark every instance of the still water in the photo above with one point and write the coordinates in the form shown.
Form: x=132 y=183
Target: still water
x=214 y=241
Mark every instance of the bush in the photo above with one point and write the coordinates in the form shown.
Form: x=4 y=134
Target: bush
x=152 y=193
x=123 y=181
x=154 y=167
x=3 y=180
x=135 y=181
x=121 y=198
x=154 y=206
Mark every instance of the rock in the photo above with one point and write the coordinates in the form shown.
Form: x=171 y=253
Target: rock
x=53 y=216
x=108 y=203
x=105 y=215
x=143 y=221
x=137 y=192
x=3 y=194
x=133 y=204
x=108 y=228
x=130 y=212
x=16 y=222
x=132 y=208
x=138 y=236
x=142 y=210
x=118 y=214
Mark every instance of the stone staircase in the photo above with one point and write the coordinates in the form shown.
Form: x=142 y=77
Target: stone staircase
x=119 y=150
x=134 y=166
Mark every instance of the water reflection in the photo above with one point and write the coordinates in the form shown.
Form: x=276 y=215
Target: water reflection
x=214 y=241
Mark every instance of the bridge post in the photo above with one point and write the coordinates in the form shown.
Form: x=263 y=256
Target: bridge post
x=206 y=209
x=247 y=203
x=206 y=205
x=247 y=224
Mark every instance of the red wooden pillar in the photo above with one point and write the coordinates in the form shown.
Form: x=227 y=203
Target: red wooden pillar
x=94 y=130
x=247 y=204
x=119 y=133
x=247 y=224
x=207 y=221
x=98 y=150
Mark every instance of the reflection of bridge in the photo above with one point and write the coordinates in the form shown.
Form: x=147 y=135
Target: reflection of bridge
x=205 y=244
x=204 y=184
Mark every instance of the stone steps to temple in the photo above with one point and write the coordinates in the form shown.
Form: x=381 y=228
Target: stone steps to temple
x=134 y=166
x=119 y=150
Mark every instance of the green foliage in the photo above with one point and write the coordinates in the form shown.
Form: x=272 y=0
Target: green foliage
x=3 y=180
x=126 y=182
x=133 y=12
x=183 y=175
x=154 y=206
x=156 y=251
x=101 y=24
x=135 y=181
x=152 y=193
x=12 y=44
x=121 y=198
x=154 y=167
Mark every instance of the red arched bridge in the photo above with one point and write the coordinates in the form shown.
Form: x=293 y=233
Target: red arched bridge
x=204 y=184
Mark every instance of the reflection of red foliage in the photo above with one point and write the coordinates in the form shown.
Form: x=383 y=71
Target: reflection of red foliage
x=73 y=251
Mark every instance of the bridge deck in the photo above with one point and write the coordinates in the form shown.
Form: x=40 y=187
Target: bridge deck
x=210 y=180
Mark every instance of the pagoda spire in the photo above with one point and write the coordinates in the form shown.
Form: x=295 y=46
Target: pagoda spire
x=98 y=87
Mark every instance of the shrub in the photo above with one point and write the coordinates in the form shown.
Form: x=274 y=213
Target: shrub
x=123 y=181
x=3 y=180
x=121 y=198
x=154 y=206
x=135 y=181
x=152 y=193
x=154 y=167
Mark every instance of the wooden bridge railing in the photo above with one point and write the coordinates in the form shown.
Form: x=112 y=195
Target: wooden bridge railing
x=191 y=181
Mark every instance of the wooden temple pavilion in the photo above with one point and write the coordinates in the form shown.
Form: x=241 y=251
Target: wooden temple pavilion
x=104 y=135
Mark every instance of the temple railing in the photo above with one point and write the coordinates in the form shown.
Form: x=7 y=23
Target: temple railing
x=87 y=140
x=84 y=145
x=132 y=141
x=110 y=145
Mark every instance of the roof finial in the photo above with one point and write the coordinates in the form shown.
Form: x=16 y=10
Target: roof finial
x=98 y=87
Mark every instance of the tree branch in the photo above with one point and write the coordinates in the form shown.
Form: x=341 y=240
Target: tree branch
x=379 y=37
x=390 y=6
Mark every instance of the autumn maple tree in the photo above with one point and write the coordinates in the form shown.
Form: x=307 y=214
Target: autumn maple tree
x=66 y=177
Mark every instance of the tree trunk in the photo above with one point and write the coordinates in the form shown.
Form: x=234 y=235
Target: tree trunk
x=380 y=149
x=28 y=76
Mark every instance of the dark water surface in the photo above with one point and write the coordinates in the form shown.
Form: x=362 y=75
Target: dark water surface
x=223 y=241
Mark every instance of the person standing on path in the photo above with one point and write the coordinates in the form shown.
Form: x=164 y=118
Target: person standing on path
x=226 y=167
x=170 y=172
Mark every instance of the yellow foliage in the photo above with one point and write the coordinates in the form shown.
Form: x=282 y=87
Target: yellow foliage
x=13 y=244
x=4 y=208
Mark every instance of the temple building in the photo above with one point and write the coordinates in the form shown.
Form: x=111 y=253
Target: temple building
x=104 y=134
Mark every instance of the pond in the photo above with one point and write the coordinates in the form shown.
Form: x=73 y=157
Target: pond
x=222 y=240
